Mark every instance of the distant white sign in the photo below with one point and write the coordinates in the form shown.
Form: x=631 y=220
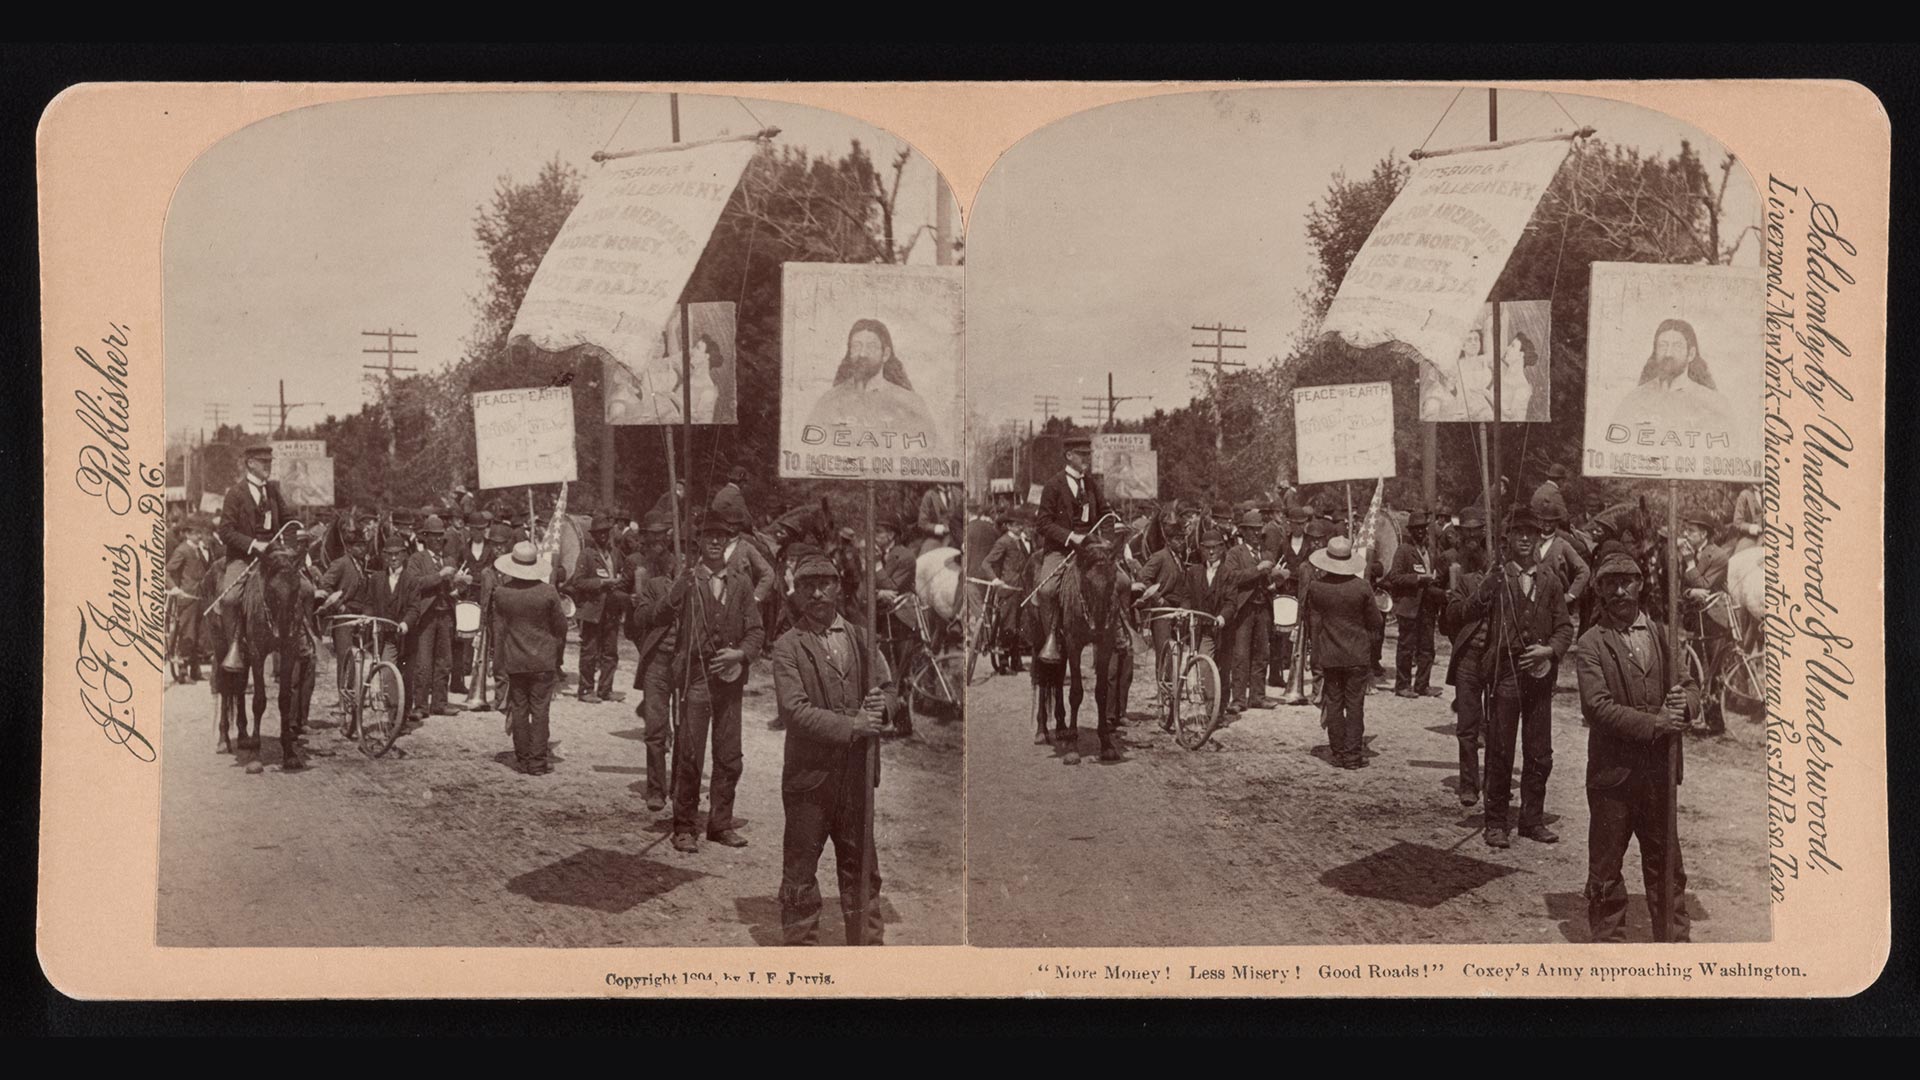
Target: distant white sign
x=211 y=502
x=524 y=436
x=1122 y=441
x=1033 y=493
x=298 y=448
x=870 y=372
x=1343 y=432
x=1127 y=472
x=1672 y=387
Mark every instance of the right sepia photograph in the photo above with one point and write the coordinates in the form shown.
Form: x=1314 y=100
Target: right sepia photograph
x=1364 y=541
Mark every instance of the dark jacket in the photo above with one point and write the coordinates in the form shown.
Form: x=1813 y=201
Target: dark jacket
x=423 y=592
x=1217 y=598
x=818 y=701
x=651 y=626
x=352 y=581
x=1343 y=620
x=1061 y=514
x=1566 y=564
x=1410 y=598
x=242 y=522
x=1295 y=564
x=530 y=626
x=1247 y=588
x=979 y=540
x=1514 y=621
x=1621 y=703
x=1163 y=568
x=589 y=587
x=707 y=625
x=1008 y=559
x=1455 y=621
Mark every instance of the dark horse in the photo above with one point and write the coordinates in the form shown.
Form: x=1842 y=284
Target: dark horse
x=1095 y=597
x=245 y=633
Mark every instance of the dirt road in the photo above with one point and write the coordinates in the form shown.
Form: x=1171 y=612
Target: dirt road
x=1260 y=840
x=445 y=844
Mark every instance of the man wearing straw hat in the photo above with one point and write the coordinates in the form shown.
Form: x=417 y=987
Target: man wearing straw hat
x=1343 y=618
x=1636 y=705
x=833 y=690
x=529 y=623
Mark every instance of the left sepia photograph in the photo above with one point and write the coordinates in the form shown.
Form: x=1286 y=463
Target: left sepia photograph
x=565 y=515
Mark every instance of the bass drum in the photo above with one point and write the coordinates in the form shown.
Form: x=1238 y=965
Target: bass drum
x=1286 y=612
x=466 y=618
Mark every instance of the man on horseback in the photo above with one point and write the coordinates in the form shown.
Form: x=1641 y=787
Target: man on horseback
x=1070 y=505
x=252 y=512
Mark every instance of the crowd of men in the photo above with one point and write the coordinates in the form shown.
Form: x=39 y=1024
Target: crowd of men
x=1593 y=589
x=478 y=606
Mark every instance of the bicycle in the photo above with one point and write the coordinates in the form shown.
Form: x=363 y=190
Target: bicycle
x=932 y=673
x=982 y=631
x=377 y=694
x=1728 y=668
x=1189 y=680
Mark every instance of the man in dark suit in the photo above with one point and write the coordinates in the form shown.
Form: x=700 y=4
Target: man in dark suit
x=529 y=623
x=1243 y=676
x=1418 y=591
x=472 y=555
x=349 y=586
x=187 y=566
x=1636 y=705
x=655 y=634
x=1344 y=620
x=833 y=691
x=253 y=511
x=426 y=595
x=1010 y=561
x=720 y=634
x=1528 y=631
x=1211 y=584
x=1466 y=569
x=598 y=575
x=1071 y=504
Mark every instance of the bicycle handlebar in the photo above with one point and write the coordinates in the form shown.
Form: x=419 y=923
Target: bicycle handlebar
x=365 y=619
x=1158 y=613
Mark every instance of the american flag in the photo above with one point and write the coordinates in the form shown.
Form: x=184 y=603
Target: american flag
x=550 y=540
x=1363 y=544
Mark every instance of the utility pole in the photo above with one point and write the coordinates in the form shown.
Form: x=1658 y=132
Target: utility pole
x=386 y=392
x=269 y=410
x=1046 y=405
x=216 y=413
x=1111 y=403
x=1219 y=345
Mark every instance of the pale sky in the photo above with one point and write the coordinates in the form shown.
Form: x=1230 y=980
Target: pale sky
x=290 y=237
x=1098 y=241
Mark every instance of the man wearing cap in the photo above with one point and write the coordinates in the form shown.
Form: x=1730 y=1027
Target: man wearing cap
x=746 y=553
x=1164 y=575
x=427 y=587
x=187 y=566
x=530 y=624
x=1466 y=569
x=348 y=586
x=1209 y=587
x=833 y=690
x=1557 y=552
x=719 y=633
x=1555 y=484
x=1070 y=505
x=1415 y=583
x=1528 y=631
x=655 y=634
x=1010 y=563
x=252 y=512
x=473 y=556
x=1636 y=703
x=597 y=575
x=1344 y=620
x=1249 y=620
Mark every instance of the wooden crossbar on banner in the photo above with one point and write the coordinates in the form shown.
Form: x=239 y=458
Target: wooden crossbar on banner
x=763 y=133
x=1417 y=155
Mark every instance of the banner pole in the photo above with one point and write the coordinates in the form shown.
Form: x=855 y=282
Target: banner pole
x=1663 y=925
x=871 y=759
x=673 y=493
x=1499 y=462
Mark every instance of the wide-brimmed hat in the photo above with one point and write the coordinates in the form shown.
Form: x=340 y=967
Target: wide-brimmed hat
x=1338 y=557
x=524 y=562
x=1550 y=508
x=1472 y=517
x=1417 y=519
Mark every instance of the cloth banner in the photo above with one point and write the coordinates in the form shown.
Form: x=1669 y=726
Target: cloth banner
x=1343 y=432
x=871 y=385
x=524 y=436
x=1427 y=267
x=1673 y=387
x=616 y=269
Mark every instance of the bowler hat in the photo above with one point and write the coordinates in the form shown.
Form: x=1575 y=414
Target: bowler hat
x=479 y=519
x=1417 y=519
x=394 y=542
x=433 y=526
x=1251 y=519
x=1211 y=535
x=499 y=533
x=1319 y=529
x=1550 y=508
x=1472 y=517
x=601 y=523
x=1299 y=515
x=655 y=522
x=1557 y=472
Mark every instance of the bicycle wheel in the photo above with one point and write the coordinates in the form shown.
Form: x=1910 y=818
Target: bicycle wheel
x=1741 y=689
x=356 y=694
x=384 y=708
x=1196 y=702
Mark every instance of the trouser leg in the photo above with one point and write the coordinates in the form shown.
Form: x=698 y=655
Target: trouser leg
x=809 y=822
x=590 y=660
x=462 y=664
x=1536 y=739
x=540 y=694
x=1162 y=631
x=1610 y=824
x=419 y=672
x=1469 y=724
x=728 y=761
x=342 y=664
x=1650 y=828
x=1423 y=651
x=519 y=702
x=609 y=655
x=655 y=708
x=1259 y=636
x=849 y=858
x=1503 y=733
x=690 y=754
